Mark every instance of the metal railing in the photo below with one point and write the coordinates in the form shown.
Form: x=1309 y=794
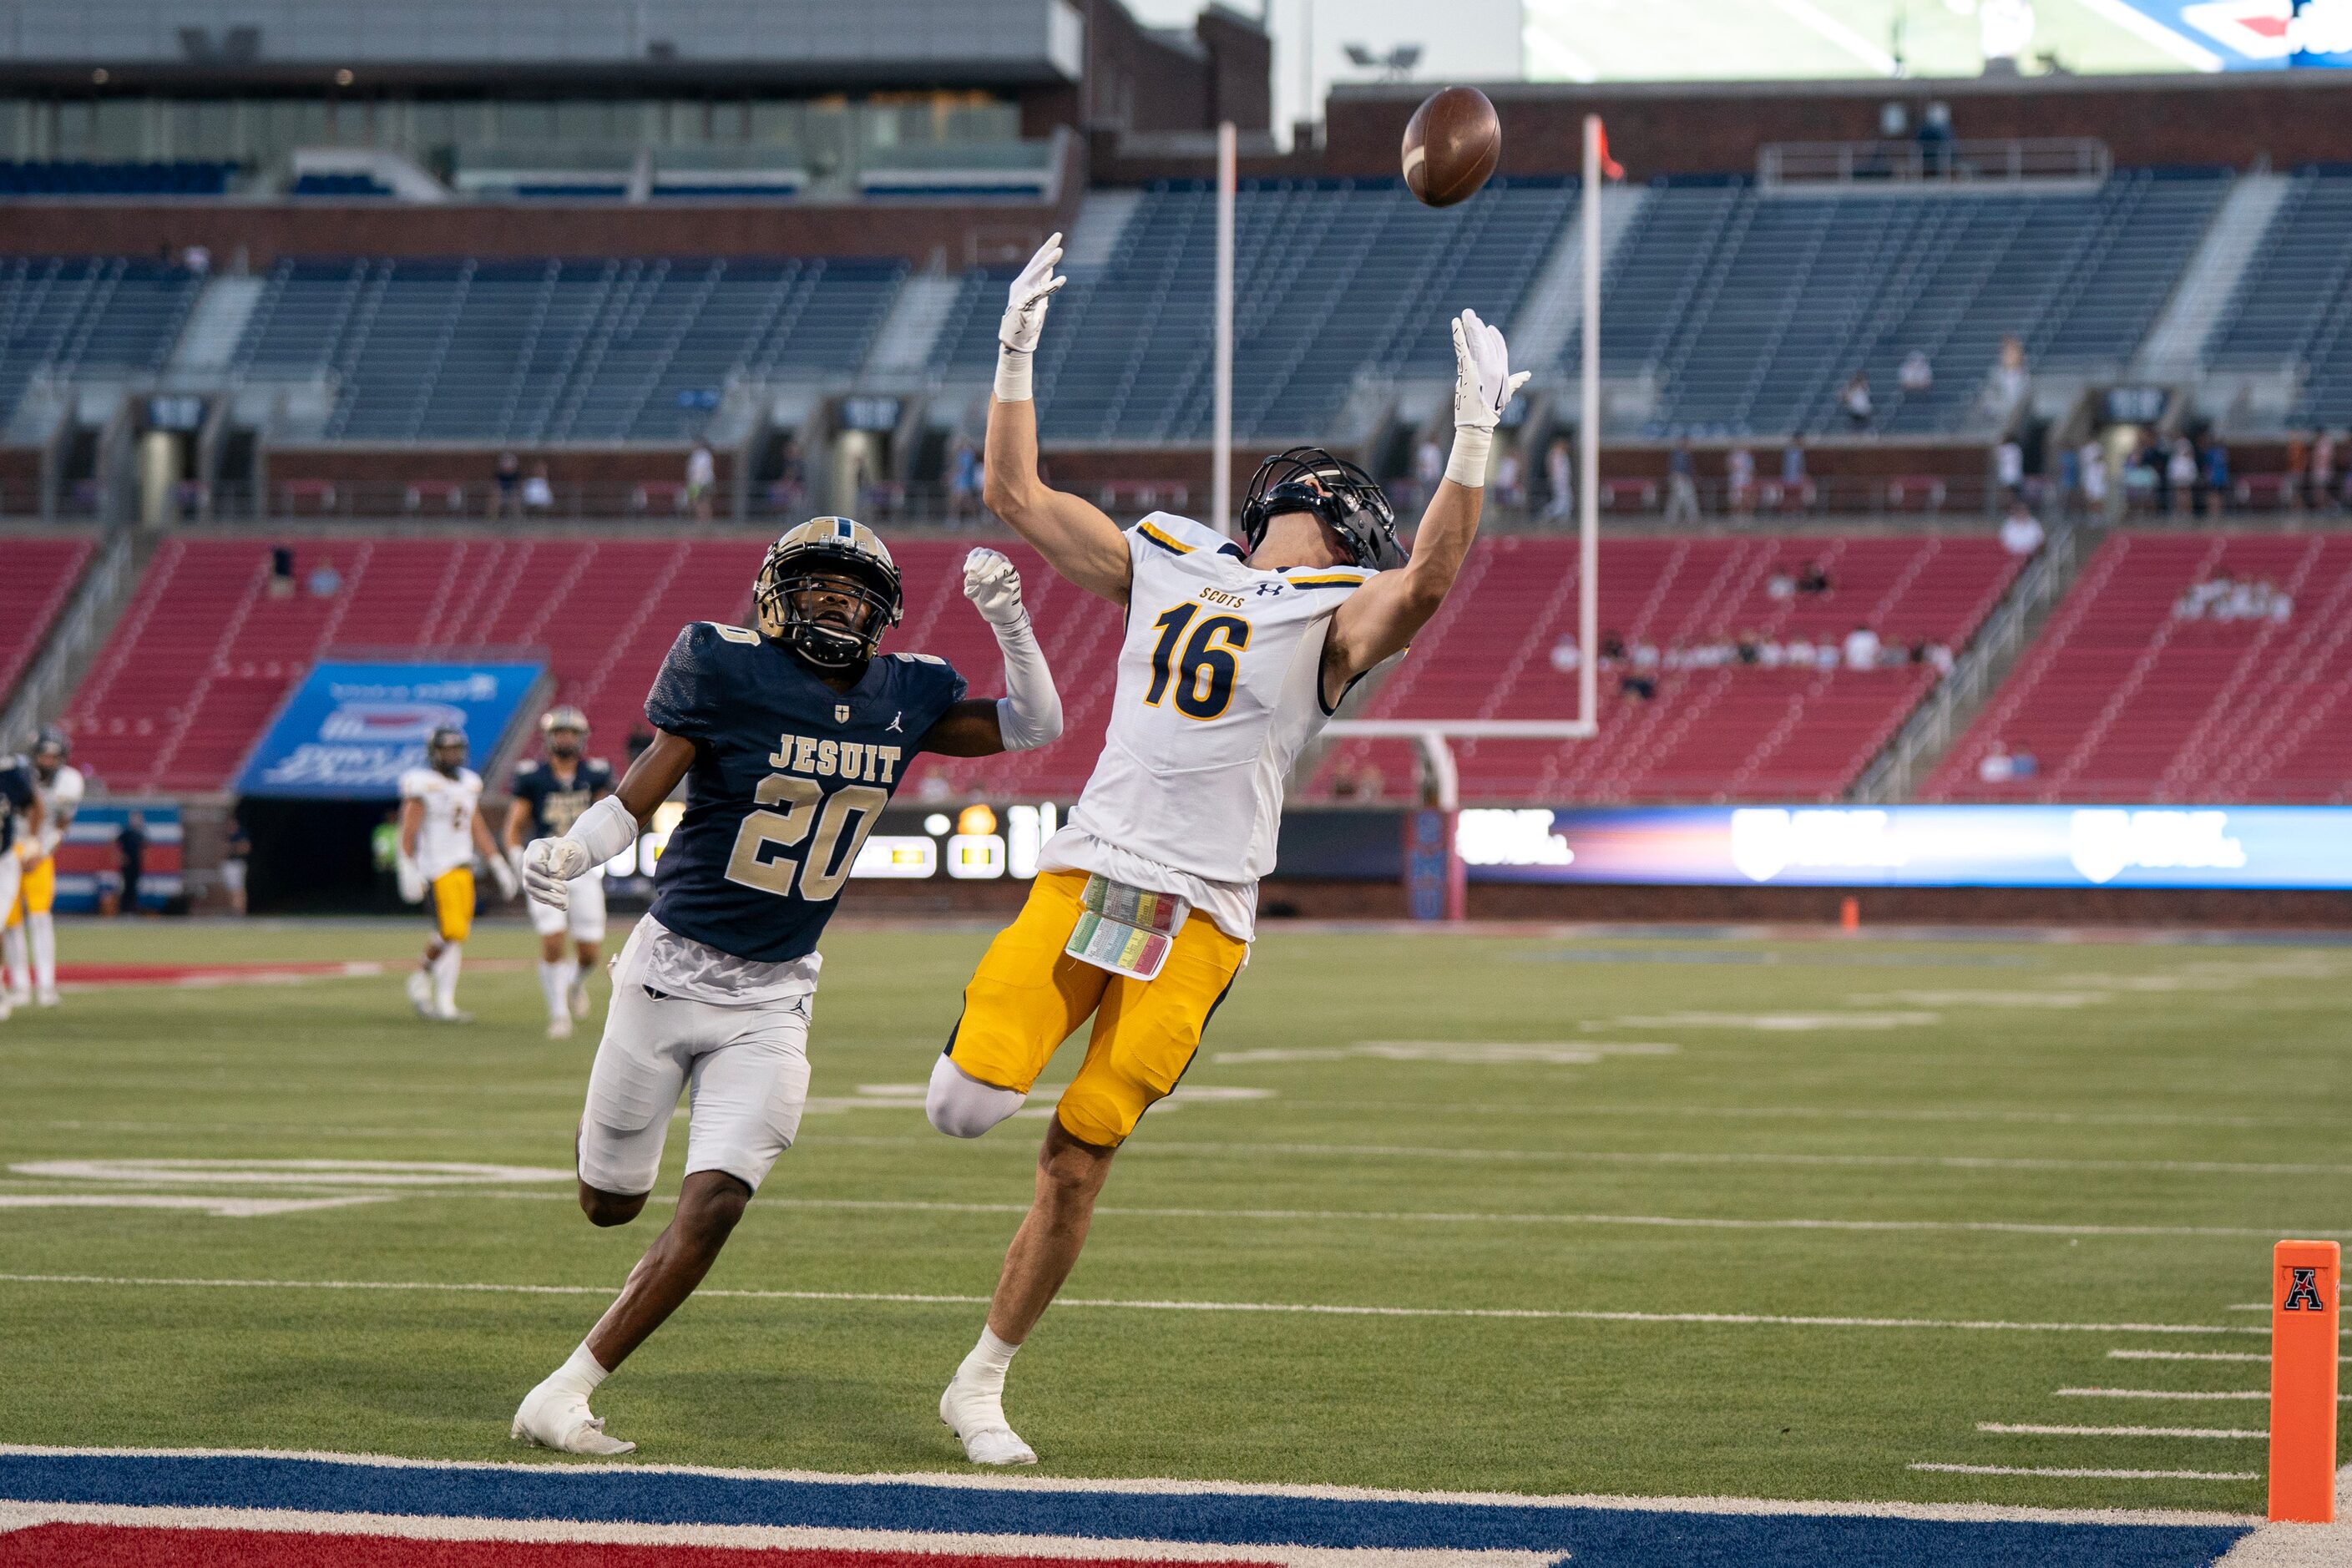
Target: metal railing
x=85 y=621
x=1933 y=726
x=2010 y=162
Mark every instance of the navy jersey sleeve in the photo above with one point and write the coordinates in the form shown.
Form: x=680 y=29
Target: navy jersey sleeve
x=527 y=779
x=688 y=695
x=932 y=687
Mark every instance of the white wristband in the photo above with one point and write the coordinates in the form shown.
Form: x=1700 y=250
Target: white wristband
x=605 y=829
x=1030 y=714
x=1012 y=375
x=1471 y=447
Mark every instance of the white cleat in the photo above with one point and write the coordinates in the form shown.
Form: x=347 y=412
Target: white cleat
x=559 y=1028
x=977 y=1418
x=420 y=994
x=453 y=1016
x=25 y=999
x=558 y=1418
x=580 y=998
x=46 y=998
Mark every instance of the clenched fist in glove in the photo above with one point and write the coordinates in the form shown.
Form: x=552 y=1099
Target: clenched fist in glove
x=992 y=584
x=549 y=867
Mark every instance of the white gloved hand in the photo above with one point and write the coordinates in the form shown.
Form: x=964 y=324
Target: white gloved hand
x=549 y=865
x=1024 y=309
x=503 y=874
x=412 y=881
x=992 y=584
x=1483 y=383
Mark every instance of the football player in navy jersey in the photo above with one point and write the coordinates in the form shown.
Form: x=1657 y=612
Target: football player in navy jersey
x=790 y=738
x=549 y=798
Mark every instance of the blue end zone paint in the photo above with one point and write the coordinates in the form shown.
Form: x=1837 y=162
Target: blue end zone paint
x=1597 y=1537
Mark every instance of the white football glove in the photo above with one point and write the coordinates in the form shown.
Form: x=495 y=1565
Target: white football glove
x=992 y=584
x=411 y=881
x=503 y=874
x=1484 y=383
x=1024 y=309
x=549 y=865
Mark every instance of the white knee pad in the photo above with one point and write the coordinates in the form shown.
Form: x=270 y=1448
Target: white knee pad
x=960 y=1106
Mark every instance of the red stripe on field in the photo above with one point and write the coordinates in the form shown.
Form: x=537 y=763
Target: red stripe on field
x=120 y=1546
x=172 y=974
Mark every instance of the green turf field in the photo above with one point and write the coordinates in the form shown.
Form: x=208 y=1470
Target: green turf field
x=1434 y=1121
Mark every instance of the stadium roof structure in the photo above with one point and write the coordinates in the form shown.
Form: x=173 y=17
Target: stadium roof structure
x=782 y=42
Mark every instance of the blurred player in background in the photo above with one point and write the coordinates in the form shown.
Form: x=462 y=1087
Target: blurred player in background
x=791 y=740
x=549 y=798
x=33 y=976
x=1232 y=662
x=20 y=829
x=441 y=833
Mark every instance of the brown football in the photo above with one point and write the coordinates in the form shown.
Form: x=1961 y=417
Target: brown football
x=1450 y=146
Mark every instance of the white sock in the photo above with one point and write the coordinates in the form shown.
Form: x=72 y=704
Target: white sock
x=986 y=1366
x=445 y=975
x=44 y=928
x=12 y=943
x=553 y=988
x=570 y=966
x=581 y=1373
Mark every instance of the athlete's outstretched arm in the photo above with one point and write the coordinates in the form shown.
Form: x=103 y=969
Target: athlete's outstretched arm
x=611 y=824
x=488 y=848
x=518 y=819
x=1076 y=537
x=1380 y=617
x=1030 y=712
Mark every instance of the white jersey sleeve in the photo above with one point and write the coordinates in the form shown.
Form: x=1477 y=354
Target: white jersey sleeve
x=60 y=798
x=445 y=839
x=1220 y=687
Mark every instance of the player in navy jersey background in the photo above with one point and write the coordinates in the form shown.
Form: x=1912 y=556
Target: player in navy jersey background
x=790 y=737
x=549 y=795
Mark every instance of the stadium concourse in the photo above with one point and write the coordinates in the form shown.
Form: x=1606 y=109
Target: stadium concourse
x=1839 y=1109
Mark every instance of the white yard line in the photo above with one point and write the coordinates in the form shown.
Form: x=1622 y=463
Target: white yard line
x=221 y=1208
x=2034 y=1430
x=1541 y=1314
x=2167 y=1394
x=1713 y=1506
x=2187 y=1355
x=2091 y=1474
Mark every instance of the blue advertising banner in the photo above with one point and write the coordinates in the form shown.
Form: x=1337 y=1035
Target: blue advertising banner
x=2246 y=34
x=91 y=861
x=1916 y=846
x=350 y=731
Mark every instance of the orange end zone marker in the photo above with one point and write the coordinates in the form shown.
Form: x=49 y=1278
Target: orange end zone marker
x=2304 y=1278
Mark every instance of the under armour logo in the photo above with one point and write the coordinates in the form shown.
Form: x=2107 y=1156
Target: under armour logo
x=2303 y=1291
x=1267 y=590
x=895 y=728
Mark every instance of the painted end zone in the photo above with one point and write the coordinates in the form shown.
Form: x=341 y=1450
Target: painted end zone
x=151 y=1508
x=113 y=1546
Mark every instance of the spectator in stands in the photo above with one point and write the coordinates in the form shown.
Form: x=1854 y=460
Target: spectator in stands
x=1739 y=481
x=1796 y=489
x=2009 y=466
x=234 y=856
x=2091 y=475
x=1566 y=656
x=325 y=581
x=1862 y=648
x=2182 y=473
x=1612 y=647
x=2322 y=489
x=1560 y=480
x=701 y=480
x=2215 y=501
x=1813 y=579
x=1636 y=687
x=1354 y=780
x=2021 y=532
x=2010 y=379
x=1748 y=646
x=1780 y=584
x=1935 y=139
x=1510 y=478
x=1996 y=766
x=538 y=490
x=1937 y=656
x=1856 y=401
x=1682 y=483
x=198 y=260
x=281 y=571
x=506 y=487
x=963 y=481
x=2155 y=481
x=1918 y=375
x=131 y=847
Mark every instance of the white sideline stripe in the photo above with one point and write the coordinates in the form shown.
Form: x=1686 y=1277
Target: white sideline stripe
x=226 y=1208
x=2031 y=1430
x=2299 y=1545
x=2092 y=1475
x=2167 y=1394
x=1557 y=1314
x=1678 y=1157
x=2192 y=1355
x=748 y=1536
x=1936 y=1512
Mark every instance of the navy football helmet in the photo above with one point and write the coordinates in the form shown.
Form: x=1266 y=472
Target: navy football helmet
x=836 y=555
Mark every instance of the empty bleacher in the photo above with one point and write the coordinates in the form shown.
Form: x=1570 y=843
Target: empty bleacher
x=2120 y=700
x=66 y=315
x=1738 y=732
x=1751 y=310
x=2294 y=305
x=552 y=349
x=37 y=577
x=1331 y=278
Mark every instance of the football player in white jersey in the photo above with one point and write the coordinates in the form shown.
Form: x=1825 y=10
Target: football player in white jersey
x=441 y=834
x=1145 y=905
x=30 y=939
x=21 y=824
x=549 y=798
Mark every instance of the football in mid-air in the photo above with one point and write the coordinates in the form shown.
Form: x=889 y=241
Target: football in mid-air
x=1450 y=146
